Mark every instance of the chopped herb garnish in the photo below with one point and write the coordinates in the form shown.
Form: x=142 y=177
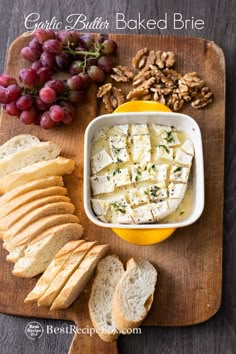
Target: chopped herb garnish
x=108 y=178
x=115 y=149
x=169 y=137
x=119 y=207
x=181 y=213
x=136 y=178
x=116 y=171
x=119 y=160
x=154 y=167
x=145 y=168
x=95 y=179
x=154 y=190
x=139 y=172
x=145 y=192
x=165 y=147
x=178 y=169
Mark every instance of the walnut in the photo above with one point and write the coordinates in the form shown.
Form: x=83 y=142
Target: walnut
x=164 y=59
x=138 y=94
x=161 y=90
x=143 y=75
x=122 y=73
x=102 y=90
x=150 y=60
x=112 y=98
x=140 y=58
x=144 y=83
x=203 y=98
x=192 y=80
x=175 y=102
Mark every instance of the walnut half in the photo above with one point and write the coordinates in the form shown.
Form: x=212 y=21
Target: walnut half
x=111 y=96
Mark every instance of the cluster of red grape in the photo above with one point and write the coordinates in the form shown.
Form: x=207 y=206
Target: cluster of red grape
x=39 y=98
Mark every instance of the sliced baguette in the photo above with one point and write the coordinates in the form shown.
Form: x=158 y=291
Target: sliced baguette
x=133 y=296
x=108 y=273
x=18 y=143
x=52 y=270
x=37 y=184
x=39 y=253
x=41 y=152
x=79 y=278
x=20 y=212
x=37 y=214
x=57 y=167
x=30 y=196
x=66 y=271
x=39 y=226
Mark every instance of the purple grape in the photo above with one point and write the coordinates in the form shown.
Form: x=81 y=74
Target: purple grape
x=24 y=102
x=96 y=74
x=47 y=95
x=102 y=38
x=42 y=35
x=106 y=63
x=86 y=80
x=68 y=117
x=63 y=61
x=52 y=46
x=56 y=113
x=40 y=105
x=76 y=67
x=46 y=122
x=76 y=96
x=36 y=65
x=48 y=60
x=34 y=44
x=3 y=95
x=65 y=37
x=44 y=75
x=87 y=40
x=7 y=80
x=28 y=77
x=75 y=82
x=28 y=116
x=30 y=54
x=90 y=62
x=12 y=110
x=56 y=85
x=109 y=47
x=13 y=92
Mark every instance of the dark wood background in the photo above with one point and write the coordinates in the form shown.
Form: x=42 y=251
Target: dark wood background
x=218 y=335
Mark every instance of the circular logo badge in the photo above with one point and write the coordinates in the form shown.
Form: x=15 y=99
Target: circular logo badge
x=34 y=330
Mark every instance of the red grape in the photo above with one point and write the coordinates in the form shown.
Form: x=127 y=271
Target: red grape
x=43 y=35
x=6 y=80
x=46 y=122
x=56 y=113
x=106 y=63
x=68 y=117
x=44 y=75
x=13 y=92
x=28 y=77
x=48 y=60
x=109 y=47
x=75 y=38
x=68 y=106
x=65 y=37
x=28 y=116
x=96 y=74
x=40 y=105
x=12 y=110
x=47 y=95
x=76 y=67
x=90 y=62
x=57 y=85
x=36 y=65
x=87 y=40
x=75 y=83
x=24 y=102
x=85 y=78
x=102 y=38
x=3 y=95
x=30 y=54
x=34 y=44
x=76 y=96
x=52 y=46
x=63 y=61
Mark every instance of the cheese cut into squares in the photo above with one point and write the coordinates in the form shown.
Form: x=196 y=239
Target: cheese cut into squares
x=141 y=148
x=179 y=174
x=170 y=138
x=101 y=160
x=139 y=129
x=122 y=218
x=160 y=129
x=121 y=177
x=118 y=144
x=156 y=192
x=140 y=173
x=100 y=206
x=100 y=135
x=102 y=184
x=138 y=196
x=143 y=215
x=188 y=148
x=182 y=158
x=163 y=152
x=176 y=190
x=121 y=212
x=160 y=210
x=158 y=172
x=122 y=129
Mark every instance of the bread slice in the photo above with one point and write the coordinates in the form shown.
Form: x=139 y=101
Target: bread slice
x=68 y=268
x=18 y=143
x=57 y=167
x=79 y=278
x=133 y=296
x=52 y=270
x=37 y=214
x=108 y=273
x=30 y=196
x=37 y=184
x=33 y=230
x=22 y=211
x=41 y=152
x=40 y=252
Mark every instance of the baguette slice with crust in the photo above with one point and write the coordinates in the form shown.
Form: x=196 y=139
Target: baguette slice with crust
x=79 y=278
x=37 y=214
x=33 y=230
x=41 y=152
x=133 y=296
x=20 y=212
x=18 y=143
x=52 y=270
x=29 y=197
x=68 y=268
x=41 y=251
x=108 y=273
x=37 y=184
x=57 y=167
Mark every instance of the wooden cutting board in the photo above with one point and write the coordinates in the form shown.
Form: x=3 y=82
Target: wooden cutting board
x=190 y=262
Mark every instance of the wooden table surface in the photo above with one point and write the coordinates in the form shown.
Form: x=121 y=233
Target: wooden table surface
x=218 y=335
